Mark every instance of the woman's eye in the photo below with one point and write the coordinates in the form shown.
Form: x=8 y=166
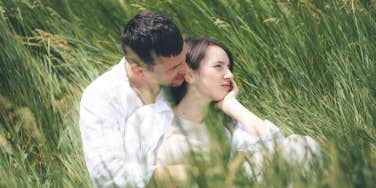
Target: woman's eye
x=218 y=66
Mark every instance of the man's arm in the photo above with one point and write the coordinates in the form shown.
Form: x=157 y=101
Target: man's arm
x=103 y=143
x=120 y=150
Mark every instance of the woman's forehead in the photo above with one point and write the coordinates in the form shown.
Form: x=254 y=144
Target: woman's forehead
x=215 y=54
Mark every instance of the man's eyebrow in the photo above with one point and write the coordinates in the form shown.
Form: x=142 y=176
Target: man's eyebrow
x=173 y=67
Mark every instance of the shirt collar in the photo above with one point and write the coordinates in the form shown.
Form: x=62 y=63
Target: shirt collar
x=161 y=104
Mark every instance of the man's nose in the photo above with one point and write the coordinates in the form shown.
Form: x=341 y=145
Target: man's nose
x=183 y=68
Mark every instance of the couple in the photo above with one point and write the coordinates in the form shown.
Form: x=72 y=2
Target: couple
x=127 y=125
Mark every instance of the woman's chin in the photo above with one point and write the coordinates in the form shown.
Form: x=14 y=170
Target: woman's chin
x=219 y=97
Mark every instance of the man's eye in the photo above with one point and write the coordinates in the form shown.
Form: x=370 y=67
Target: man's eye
x=171 y=69
x=218 y=66
x=175 y=67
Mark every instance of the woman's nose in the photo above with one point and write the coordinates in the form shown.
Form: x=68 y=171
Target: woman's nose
x=228 y=74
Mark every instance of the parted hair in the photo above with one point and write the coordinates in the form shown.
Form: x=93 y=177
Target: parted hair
x=196 y=50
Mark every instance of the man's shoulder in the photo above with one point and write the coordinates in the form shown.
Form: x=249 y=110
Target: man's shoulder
x=108 y=85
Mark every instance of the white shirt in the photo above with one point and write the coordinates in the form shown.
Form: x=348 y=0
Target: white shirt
x=119 y=133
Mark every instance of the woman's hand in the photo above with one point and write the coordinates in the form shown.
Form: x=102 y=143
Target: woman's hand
x=174 y=173
x=229 y=99
x=232 y=107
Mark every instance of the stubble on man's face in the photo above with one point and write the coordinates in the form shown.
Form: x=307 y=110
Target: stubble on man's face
x=172 y=70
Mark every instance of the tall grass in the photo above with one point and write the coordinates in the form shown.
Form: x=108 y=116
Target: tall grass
x=308 y=66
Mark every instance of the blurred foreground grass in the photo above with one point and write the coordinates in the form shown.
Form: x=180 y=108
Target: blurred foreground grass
x=308 y=66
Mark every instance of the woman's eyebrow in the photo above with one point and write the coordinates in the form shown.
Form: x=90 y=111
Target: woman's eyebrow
x=221 y=62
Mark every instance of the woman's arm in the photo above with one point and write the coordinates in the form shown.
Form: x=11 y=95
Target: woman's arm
x=232 y=107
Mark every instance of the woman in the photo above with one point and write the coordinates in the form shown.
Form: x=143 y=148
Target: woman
x=209 y=80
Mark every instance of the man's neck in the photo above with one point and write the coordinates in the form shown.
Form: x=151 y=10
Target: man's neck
x=145 y=90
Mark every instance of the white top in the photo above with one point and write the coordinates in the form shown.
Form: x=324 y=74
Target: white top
x=120 y=134
x=184 y=136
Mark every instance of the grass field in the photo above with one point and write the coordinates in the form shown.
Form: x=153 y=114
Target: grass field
x=308 y=66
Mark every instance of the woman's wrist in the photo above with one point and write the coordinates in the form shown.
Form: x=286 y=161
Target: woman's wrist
x=229 y=106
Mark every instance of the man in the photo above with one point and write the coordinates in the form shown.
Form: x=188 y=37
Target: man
x=123 y=113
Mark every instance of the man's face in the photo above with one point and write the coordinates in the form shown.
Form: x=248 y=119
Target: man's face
x=169 y=71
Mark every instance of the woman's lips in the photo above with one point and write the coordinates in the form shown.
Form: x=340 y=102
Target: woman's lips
x=228 y=87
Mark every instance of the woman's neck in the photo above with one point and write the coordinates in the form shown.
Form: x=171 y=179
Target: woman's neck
x=193 y=106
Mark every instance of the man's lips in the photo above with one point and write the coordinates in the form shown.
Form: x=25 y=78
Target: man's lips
x=179 y=77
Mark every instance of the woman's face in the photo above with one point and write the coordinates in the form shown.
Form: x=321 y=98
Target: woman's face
x=213 y=77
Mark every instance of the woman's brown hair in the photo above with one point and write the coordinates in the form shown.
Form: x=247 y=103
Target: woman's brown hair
x=196 y=50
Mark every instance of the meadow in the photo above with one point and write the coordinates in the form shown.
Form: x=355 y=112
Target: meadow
x=308 y=66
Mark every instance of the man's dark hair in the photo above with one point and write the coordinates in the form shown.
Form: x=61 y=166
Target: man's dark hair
x=151 y=34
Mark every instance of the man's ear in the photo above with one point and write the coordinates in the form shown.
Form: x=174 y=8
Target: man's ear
x=137 y=69
x=189 y=76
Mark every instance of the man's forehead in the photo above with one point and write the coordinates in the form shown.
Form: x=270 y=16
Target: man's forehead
x=173 y=60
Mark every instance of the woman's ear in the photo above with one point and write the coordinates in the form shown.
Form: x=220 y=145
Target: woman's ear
x=137 y=69
x=189 y=76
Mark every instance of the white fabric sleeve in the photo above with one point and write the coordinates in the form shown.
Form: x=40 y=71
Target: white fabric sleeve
x=299 y=149
x=295 y=149
x=115 y=154
x=242 y=141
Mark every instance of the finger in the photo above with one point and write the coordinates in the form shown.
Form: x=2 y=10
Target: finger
x=234 y=85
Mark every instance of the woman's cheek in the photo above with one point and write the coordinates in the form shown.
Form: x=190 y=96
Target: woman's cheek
x=220 y=95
